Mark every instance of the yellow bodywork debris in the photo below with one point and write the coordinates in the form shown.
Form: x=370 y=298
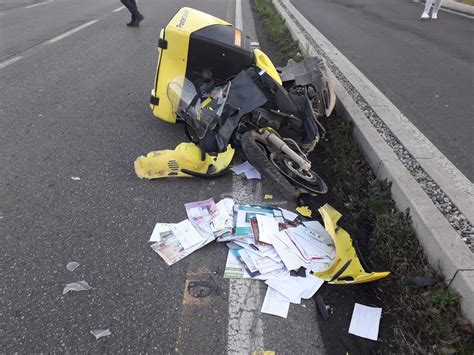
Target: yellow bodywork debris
x=268 y=197
x=183 y=161
x=304 y=211
x=346 y=267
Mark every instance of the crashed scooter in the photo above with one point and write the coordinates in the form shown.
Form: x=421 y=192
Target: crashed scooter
x=230 y=96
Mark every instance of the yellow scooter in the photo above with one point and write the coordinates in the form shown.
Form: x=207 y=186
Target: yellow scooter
x=229 y=95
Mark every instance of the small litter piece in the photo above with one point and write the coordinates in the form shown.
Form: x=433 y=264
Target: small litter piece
x=72 y=265
x=75 y=178
x=77 y=286
x=268 y=197
x=99 y=333
x=304 y=211
x=419 y=281
x=263 y=352
x=248 y=170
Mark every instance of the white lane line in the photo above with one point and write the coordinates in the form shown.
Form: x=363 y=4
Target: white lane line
x=41 y=3
x=70 y=32
x=119 y=9
x=245 y=327
x=10 y=61
x=238 y=15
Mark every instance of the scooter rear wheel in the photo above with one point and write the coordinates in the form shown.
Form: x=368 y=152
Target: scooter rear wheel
x=260 y=159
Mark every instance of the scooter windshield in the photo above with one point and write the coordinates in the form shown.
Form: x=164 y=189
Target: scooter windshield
x=200 y=111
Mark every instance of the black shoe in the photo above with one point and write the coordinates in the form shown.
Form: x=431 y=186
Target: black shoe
x=139 y=19
x=136 y=21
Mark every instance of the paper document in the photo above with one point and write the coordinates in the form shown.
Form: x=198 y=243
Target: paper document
x=275 y=304
x=297 y=287
x=160 y=230
x=201 y=211
x=187 y=235
x=288 y=215
x=267 y=227
x=234 y=268
x=365 y=321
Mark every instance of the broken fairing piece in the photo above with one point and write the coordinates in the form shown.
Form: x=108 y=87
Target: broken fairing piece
x=72 y=265
x=184 y=161
x=77 y=286
x=99 y=333
x=304 y=211
x=346 y=267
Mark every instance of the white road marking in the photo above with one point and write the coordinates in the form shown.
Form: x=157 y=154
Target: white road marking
x=10 y=61
x=245 y=327
x=119 y=9
x=70 y=32
x=238 y=15
x=41 y=3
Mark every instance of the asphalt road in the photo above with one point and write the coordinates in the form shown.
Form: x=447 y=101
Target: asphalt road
x=77 y=106
x=425 y=68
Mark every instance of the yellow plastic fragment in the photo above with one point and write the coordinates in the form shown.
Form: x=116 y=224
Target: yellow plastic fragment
x=304 y=211
x=346 y=267
x=268 y=197
x=175 y=163
x=263 y=352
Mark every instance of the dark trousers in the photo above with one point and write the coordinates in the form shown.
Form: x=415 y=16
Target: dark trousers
x=131 y=5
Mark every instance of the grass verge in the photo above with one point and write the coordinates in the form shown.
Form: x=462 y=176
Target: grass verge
x=422 y=320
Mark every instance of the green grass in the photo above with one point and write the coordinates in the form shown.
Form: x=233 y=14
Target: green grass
x=276 y=29
x=424 y=320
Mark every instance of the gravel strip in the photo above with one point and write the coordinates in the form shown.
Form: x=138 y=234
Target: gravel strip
x=458 y=221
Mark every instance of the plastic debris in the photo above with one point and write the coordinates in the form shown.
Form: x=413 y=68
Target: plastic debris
x=72 y=265
x=419 y=281
x=268 y=197
x=99 y=333
x=304 y=211
x=75 y=178
x=77 y=286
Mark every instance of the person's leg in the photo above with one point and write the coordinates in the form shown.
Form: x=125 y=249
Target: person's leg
x=434 y=13
x=131 y=5
x=424 y=15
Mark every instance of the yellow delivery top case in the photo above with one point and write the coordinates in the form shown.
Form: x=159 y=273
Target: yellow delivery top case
x=193 y=45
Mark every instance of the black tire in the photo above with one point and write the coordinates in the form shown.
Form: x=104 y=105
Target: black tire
x=259 y=158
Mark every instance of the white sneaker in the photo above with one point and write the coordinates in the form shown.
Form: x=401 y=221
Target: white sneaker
x=434 y=16
x=424 y=16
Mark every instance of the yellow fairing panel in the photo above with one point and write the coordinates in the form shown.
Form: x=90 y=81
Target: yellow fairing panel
x=186 y=157
x=346 y=267
x=172 y=61
x=263 y=62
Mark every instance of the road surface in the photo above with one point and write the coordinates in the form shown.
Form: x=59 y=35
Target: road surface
x=75 y=85
x=425 y=68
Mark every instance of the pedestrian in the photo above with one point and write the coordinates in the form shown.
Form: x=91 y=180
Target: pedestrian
x=434 y=13
x=137 y=17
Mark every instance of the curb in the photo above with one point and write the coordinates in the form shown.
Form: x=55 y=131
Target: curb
x=441 y=243
x=458 y=7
